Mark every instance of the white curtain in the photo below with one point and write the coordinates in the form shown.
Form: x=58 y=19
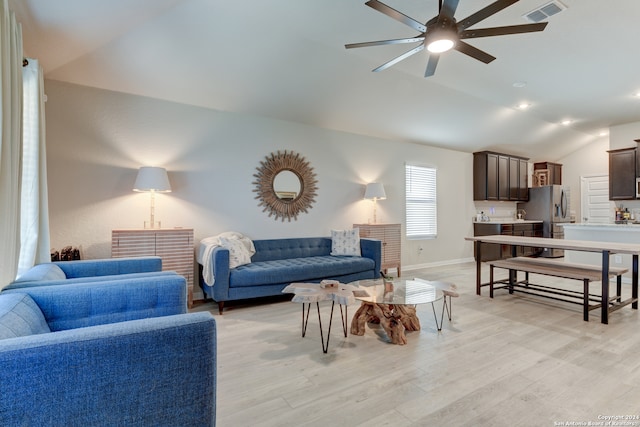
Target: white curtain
x=34 y=214
x=10 y=142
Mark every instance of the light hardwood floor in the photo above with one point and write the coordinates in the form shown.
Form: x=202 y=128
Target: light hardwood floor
x=511 y=361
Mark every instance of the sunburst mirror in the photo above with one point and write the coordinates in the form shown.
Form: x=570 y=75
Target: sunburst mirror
x=285 y=185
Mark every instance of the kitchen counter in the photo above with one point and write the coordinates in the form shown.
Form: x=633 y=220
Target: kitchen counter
x=602 y=227
x=510 y=221
x=621 y=233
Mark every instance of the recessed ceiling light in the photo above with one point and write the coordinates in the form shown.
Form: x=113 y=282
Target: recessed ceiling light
x=566 y=122
x=523 y=105
x=637 y=94
x=603 y=133
x=519 y=84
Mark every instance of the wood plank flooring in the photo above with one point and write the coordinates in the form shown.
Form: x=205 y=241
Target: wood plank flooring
x=515 y=360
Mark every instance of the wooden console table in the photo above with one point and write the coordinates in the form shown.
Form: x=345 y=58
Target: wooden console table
x=389 y=234
x=605 y=248
x=173 y=245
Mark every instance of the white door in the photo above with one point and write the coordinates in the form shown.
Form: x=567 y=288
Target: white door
x=595 y=206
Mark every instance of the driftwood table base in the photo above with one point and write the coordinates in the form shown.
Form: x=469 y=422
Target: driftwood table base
x=394 y=319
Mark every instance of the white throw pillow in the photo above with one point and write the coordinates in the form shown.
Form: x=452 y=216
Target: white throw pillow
x=345 y=242
x=238 y=252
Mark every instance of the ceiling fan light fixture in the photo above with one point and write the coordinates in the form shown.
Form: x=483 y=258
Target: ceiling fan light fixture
x=440 y=45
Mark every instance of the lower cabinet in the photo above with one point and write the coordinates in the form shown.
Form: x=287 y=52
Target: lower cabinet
x=491 y=252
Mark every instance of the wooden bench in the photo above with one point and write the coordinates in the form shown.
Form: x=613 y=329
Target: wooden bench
x=550 y=267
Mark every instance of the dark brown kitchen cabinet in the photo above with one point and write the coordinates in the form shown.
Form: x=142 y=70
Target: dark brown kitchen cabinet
x=622 y=174
x=503 y=177
x=518 y=183
x=499 y=176
x=494 y=251
x=555 y=171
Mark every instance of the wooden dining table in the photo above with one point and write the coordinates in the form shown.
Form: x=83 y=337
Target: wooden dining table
x=605 y=248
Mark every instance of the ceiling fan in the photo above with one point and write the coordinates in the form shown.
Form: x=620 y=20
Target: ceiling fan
x=443 y=32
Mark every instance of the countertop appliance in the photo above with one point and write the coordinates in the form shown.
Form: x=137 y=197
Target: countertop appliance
x=550 y=204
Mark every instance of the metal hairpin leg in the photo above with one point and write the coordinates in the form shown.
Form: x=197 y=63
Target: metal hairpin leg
x=445 y=306
x=305 y=321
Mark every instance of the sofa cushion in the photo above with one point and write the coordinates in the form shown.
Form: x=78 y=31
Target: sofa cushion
x=20 y=316
x=297 y=247
x=345 y=242
x=297 y=269
x=45 y=271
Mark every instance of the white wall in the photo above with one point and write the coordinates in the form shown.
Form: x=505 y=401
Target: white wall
x=624 y=136
x=592 y=159
x=97 y=139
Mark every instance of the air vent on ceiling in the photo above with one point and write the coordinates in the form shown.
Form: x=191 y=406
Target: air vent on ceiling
x=543 y=12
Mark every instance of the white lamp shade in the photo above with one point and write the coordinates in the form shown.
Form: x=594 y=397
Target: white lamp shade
x=152 y=179
x=375 y=190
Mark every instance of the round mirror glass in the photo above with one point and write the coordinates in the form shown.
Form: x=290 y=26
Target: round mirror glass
x=287 y=185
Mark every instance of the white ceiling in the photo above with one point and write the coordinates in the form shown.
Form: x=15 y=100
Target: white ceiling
x=286 y=59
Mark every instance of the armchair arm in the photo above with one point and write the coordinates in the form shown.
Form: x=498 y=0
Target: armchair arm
x=110 y=266
x=159 y=371
x=372 y=248
x=96 y=303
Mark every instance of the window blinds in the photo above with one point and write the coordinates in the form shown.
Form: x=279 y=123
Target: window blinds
x=421 y=205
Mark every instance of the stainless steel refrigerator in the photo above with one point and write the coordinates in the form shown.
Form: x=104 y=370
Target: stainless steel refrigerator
x=550 y=204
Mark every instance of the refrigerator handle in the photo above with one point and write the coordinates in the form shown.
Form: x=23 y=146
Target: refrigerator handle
x=563 y=204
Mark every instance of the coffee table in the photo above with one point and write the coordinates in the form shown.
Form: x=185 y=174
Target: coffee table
x=393 y=305
x=308 y=293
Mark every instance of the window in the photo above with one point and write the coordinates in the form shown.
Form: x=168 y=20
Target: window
x=421 y=206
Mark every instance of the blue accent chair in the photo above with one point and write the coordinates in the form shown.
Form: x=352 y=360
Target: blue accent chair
x=106 y=353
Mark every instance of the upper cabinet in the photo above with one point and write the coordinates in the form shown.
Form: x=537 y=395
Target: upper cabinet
x=499 y=176
x=554 y=171
x=622 y=174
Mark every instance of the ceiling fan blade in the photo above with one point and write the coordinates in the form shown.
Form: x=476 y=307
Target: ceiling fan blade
x=484 y=13
x=448 y=8
x=502 y=31
x=473 y=52
x=384 y=42
x=398 y=16
x=399 y=58
x=432 y=64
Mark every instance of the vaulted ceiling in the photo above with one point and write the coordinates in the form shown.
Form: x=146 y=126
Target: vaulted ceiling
x=286 y=59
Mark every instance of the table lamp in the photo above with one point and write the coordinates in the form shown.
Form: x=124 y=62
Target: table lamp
x=375 y=192
x=152 y=179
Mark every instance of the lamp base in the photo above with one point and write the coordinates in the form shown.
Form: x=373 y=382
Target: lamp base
x=152 y=225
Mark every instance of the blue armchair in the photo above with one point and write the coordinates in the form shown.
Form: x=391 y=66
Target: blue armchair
x=70 y=272
x=113 y=352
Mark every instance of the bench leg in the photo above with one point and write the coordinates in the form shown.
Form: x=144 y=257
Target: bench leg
x=513 y=278
x=619 y=288
x=585 y=303
x=491 y=281
x=634 y=281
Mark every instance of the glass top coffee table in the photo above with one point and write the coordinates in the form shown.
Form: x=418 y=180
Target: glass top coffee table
x=392 y=303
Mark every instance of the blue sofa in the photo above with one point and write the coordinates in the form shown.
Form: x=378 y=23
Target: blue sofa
x=105 y=353
x=279 y=262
